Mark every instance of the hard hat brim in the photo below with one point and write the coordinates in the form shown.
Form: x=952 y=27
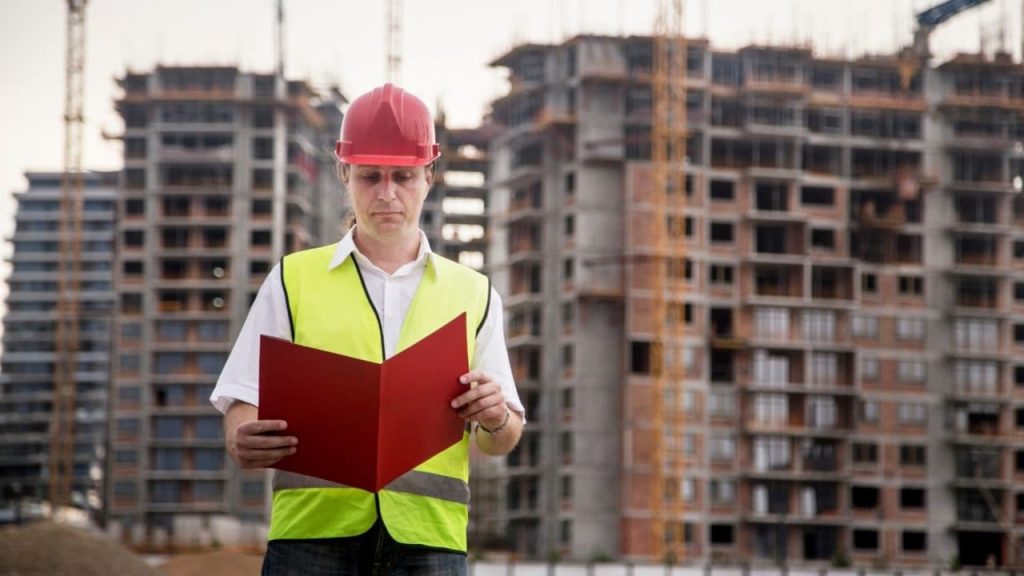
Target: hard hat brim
x=385 y=160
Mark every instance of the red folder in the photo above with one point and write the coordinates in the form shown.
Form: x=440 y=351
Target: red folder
x=361 y=423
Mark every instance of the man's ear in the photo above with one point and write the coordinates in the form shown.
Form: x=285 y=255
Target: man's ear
x=343 y=171
x=429 y=175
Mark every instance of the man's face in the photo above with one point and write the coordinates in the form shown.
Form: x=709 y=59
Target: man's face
x=387 y=199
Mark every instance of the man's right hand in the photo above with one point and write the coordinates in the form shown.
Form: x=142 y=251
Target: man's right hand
x=248 y=441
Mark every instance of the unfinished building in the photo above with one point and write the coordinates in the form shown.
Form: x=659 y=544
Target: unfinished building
x=851 y=301
x=224 y=171
x=29 y=351
x=454 y=215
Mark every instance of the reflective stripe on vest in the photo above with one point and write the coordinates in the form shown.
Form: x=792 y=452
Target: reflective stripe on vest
x=331 y=310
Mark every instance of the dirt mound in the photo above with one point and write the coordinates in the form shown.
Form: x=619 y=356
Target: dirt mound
x=48 y=549
x=220 y=563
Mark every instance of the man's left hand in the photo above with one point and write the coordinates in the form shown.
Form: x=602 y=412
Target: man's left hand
x=483 y=403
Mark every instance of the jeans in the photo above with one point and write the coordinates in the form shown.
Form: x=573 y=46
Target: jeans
x=371 y=554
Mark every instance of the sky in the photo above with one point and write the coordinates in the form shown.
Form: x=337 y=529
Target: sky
x=447 y=45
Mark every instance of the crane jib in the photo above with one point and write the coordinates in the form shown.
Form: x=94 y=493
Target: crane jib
x=938 y=14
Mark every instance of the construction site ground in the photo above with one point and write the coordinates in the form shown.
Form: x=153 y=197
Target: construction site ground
x=47 y=549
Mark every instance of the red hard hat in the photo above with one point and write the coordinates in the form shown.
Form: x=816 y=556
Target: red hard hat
x=387 y=127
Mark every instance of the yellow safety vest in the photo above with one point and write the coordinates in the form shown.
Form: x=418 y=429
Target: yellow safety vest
x=331 y=310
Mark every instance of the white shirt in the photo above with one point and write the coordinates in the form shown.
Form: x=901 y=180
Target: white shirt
x=391 y=295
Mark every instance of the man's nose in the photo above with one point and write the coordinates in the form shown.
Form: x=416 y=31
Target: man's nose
x=386 y=190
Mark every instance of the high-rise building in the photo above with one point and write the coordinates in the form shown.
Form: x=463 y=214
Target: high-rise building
x=851 y=300
x=27 y=362
x=455 y=214
x=224 y=172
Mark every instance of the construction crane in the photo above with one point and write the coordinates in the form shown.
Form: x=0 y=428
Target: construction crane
x=279 y=38
x=393 y=35
x=668 y=158
x=66 y=322
x=931 y=18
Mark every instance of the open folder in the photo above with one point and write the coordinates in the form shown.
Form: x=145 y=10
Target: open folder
x=361 y=423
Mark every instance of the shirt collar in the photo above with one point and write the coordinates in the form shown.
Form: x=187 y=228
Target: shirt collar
x=347 y=247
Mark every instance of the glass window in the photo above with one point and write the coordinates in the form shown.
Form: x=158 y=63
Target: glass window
x=124 y=490
x=168 y=427
x=168 y=458
x=976 y=333
x=771 y=409
x=128 y=426
x=129 y=394
x=210 y=362
x=722 y=403
x=131 y=331
x=864 y=326
x=170 y=362
x=771 y=453
x=130 y=363
x=722 y=447
x=126 y=457
x=207 y=491
x=910 y=328
x=212 y=331
x=209 y=459
x=771 y=322
x=819 y=325
x=869 y=411
x=171 y=330
x=910 y=371
x=912 y=413
x=869 y=368
x=165 y=491
x=253 y=489
x=723 y=491
x=208 y=427
x=169 y=395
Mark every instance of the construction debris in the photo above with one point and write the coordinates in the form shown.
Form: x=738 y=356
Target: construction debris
x=48 y=549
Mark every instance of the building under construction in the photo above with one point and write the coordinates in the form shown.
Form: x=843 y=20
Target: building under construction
x=850 y=304
x=454 y=215
x=224 y=171
x=29 y=351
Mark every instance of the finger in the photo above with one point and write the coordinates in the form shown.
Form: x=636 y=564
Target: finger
x=261 y=426
x=253 y=464
x=482 y=391
x=266 y=442
x=257 y=456
x=481 y=409
x=475 y=376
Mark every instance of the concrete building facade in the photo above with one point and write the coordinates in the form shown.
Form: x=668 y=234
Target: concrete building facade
x=27 y=362
x=224 y=172
x=455 y=215
x=851 y=303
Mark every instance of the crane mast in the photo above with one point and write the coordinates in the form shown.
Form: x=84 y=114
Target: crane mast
x=61 y=468
x=668 y=158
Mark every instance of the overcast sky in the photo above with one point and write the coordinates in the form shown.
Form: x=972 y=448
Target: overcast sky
x=447 y=45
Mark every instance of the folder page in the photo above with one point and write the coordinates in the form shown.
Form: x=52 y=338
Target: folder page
x=360 y=423
x=418 y=386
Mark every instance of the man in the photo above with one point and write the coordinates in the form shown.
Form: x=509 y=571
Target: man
x=376 y=292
